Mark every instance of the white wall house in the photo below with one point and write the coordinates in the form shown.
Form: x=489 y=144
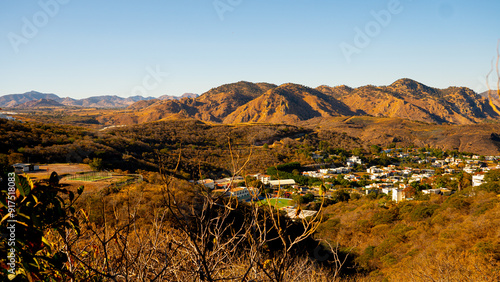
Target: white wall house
x=374 y=169
x=209 y=183
x=264 y=178
x=282 y=182
x=241 y=193
x=354 y=160
x=398 y=195
x=19 y=167
x=477 y=179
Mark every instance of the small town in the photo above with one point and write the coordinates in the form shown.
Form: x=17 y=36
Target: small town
x=231 y=140
x=413 y=174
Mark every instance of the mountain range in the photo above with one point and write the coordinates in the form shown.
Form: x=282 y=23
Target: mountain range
x=243 y=102
x=35 y=99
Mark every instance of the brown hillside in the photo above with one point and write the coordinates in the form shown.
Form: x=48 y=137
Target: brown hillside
x=40 y=103
x=142 y=104
x=214 y=105
x=412 y=100
x=288 y=103
x=218 y=103
x=263 y=102
x=478 y=138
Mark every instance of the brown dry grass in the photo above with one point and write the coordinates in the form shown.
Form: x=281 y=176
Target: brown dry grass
x=61 y=169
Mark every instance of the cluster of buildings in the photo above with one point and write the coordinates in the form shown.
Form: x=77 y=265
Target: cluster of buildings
x=25 y=167
x=8 y=116
x=227 y=185
x=394 y=180
x=326 y=172
x=389 y=179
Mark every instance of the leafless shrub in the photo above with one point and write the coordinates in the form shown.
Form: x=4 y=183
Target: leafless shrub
x=197 y=237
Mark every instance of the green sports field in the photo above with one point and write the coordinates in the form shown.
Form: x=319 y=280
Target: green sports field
x=281 y=202
x=90 y=178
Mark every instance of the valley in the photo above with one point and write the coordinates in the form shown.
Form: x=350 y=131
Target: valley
x=377 y=171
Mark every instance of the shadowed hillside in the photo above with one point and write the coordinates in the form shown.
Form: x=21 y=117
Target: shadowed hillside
x=479 y=138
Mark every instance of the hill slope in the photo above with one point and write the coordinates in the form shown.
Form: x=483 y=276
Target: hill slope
x=13 y=100
x=214 y=105
x=40 y=103
x=290 y=103
x=478 y=138
x=412 y=100
x=105 y=101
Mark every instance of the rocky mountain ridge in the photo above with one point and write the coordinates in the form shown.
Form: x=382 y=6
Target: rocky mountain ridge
x=291 y=103
x=104 y=101
x=243 y=102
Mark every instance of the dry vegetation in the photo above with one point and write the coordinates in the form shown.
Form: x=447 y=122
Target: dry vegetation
x=167 y=229
x=444 y=238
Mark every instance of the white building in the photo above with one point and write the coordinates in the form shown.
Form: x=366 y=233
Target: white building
x=209 y=183
x=19 y=167
x=241 y=193
x=282 y=182
x=398 y=195
x=386 y=190
x=374 y=169
x=292 y=213
x=469 y=170
x=264 y=178
x=431 y=191
x=354 y=160
x=477 y=179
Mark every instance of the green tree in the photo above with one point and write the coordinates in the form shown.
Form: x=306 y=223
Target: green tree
x=341 y=196
x=492 y=175
x=375 y=149
x=309 y=197
x=298 y=199
x=96 y=164
x=492 y=181
x=35 y=209
x=357 y=152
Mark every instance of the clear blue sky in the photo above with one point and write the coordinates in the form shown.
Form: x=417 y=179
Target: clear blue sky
x=82 y=48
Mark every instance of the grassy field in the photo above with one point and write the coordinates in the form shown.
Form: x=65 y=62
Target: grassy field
x=90 y=178
x=281 y=202
x=61 y=169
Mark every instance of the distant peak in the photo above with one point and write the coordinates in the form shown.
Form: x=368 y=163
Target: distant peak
x=293 y=85
x=189 y=95
x=344 y=87
x=410 y=83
